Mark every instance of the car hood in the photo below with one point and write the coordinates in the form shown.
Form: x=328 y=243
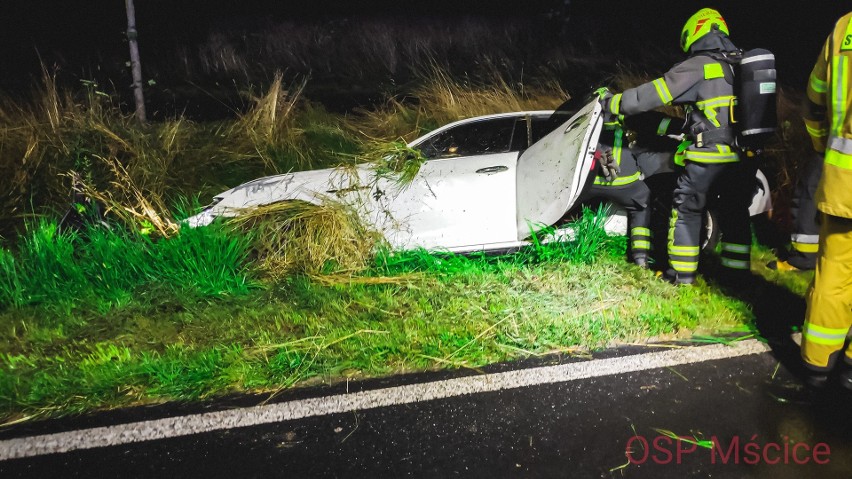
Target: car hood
x=311 y=186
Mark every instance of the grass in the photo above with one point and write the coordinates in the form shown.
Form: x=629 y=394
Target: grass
x=136 y=170
x=99 y=267
x=292 y=294
x=304 y=238
x=796 y=282
x=439 y=311
x=305 y=332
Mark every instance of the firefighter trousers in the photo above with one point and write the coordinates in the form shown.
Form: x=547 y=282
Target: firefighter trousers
x=633 y=197
x=804 y=238
x=728 y=188
x=829 y=314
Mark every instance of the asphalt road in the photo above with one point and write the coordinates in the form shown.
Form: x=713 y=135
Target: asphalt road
x=578 y=423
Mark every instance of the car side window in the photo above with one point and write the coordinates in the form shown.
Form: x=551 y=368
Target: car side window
x=477 y=138
x=541 y=126
x=521 y=136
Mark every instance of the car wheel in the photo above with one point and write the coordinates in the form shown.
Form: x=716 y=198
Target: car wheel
x=709 y=231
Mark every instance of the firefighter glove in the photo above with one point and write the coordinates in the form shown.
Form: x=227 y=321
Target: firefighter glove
x=609 y=167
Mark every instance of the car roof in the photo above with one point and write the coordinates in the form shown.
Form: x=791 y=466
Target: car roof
x=496 y=116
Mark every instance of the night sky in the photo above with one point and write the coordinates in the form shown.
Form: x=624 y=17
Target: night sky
x=81 y=34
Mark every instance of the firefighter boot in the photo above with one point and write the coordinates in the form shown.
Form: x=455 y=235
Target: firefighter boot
x=782 y=266
x=640 y=260
x=673 y=277
x=816 y=381
x=846 y=377
x=795 y=262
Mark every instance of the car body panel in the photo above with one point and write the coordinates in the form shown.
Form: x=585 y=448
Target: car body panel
x=453 y=203
x=311 y=186
x=552 y=171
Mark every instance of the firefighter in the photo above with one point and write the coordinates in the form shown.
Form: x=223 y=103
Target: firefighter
x=829 y=121
x=628 y=151
x=804 y=239
x=703 y=83
x=618 y=177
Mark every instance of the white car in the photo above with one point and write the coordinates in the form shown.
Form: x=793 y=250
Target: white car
x=488 y=183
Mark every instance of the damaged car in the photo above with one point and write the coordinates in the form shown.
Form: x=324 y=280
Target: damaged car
x=486 y=184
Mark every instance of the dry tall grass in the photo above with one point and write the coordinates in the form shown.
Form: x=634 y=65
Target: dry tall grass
x=269 y=126
x=447 y=98
x=135 y=170
x=441 y=98
x=57 y=133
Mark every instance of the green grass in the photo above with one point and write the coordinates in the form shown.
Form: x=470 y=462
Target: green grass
x=300 y=332
x=429 y=312
x=101 y=268
x=108 y=318
x=796 y=282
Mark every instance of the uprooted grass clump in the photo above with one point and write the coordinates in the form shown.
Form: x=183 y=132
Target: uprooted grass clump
x=299 y=237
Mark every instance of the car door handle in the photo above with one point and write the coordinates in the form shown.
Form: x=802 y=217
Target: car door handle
x=350 y=189
x=492 y=169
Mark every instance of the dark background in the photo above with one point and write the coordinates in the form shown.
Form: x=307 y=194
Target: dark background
x=84 y=39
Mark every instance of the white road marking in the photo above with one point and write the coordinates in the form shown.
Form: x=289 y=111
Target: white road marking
x=288 y=411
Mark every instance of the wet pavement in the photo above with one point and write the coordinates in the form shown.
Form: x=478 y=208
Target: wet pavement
x=762 y=422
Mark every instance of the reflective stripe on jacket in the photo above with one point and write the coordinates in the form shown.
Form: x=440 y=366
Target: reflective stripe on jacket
x=829 y=121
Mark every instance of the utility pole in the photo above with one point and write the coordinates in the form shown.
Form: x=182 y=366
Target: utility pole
x=135 y=65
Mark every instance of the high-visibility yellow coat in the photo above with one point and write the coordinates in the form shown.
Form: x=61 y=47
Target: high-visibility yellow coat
x=829 y=119
x=829 y=122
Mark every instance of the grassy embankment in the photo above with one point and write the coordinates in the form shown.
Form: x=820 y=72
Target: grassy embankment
x=144 y=312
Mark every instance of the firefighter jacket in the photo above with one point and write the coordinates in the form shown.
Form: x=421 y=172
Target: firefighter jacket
x=829 y=121
x=654 y=139
x=649 y=131
x=704 y=85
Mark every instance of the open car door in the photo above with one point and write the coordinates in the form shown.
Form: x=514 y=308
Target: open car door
x=552 y=172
